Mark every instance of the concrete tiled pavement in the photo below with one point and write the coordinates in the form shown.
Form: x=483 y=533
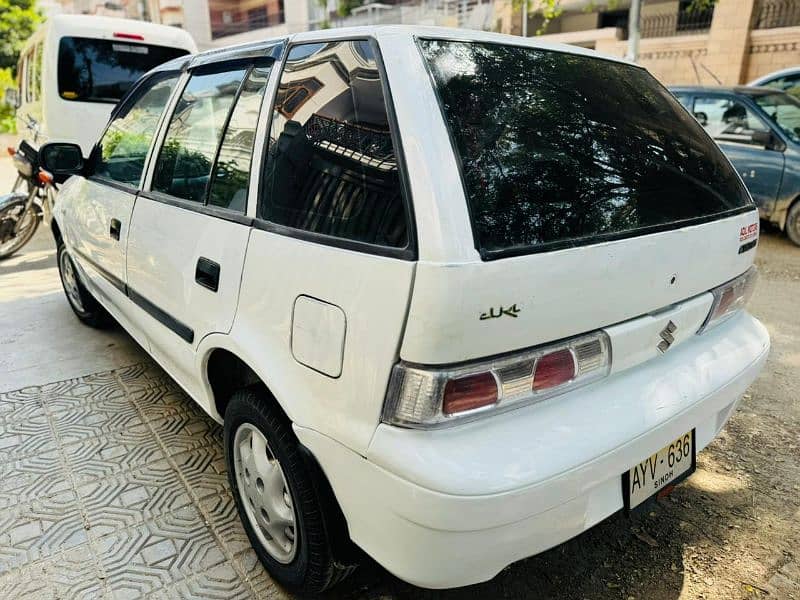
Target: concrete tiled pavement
x=114 y=484
x=112 y=481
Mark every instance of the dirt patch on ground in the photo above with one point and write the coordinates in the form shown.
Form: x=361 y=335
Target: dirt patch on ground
x=731 y=531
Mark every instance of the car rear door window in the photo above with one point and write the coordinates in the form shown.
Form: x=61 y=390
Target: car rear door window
x=195 y=129
x=332 y=166
x=727 y=119
x=121 y=152
x=560 y=149
x=232 y=172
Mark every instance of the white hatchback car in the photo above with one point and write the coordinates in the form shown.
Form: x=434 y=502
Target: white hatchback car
x=456 y=296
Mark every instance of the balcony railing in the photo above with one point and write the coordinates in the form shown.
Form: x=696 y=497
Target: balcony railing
x=681 y=23
x=246 y=23
x=777 y=13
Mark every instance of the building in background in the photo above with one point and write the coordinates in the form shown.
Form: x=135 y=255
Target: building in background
x=731 y=43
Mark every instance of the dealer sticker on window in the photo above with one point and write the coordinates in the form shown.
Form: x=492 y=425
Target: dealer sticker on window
x=665 y=468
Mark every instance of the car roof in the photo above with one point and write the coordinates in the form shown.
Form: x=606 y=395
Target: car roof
x=775 y=75
x=385 y=32
x=743 y=90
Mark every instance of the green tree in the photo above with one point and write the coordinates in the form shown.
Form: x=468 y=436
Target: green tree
x=345 y=7
x=18 y=20
x=551 y=9
x=7 y=122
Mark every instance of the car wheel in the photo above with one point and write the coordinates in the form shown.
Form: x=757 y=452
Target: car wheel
x=277 y=498
x=83 y=304
x=793 y=223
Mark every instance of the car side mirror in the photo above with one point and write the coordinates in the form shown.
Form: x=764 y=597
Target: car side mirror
x=11 y=97
x=767 y=139
x=62 y=159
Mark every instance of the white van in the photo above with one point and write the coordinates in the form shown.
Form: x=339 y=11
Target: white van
x=75 y=68
x=456 y=296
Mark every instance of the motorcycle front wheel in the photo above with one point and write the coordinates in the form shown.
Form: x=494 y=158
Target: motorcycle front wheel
x=11 y=214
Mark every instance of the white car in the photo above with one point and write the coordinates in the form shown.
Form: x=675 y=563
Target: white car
x=786 y=80
x=456 y=296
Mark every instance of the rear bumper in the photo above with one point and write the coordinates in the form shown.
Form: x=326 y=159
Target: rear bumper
x=453 y=507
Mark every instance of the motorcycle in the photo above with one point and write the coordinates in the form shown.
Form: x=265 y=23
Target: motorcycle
x=31 y=200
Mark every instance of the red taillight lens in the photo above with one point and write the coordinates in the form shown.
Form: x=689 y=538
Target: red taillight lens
x=553 y=369
x=11 y=150
x=128 y=36
x=421 y=397
x=469 y=392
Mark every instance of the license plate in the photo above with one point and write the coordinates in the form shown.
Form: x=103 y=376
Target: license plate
x=673 y=462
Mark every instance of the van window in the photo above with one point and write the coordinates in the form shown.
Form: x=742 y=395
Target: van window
x=562 y=150
x=331 y=164
x=37 y=72
x=122 y=150
x=232 y=172
x=195 y=129
x=30 y=77
x=92 y=70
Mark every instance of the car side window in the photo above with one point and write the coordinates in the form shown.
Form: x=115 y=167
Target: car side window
x=788 y=83
x=727 y=119
x=122 y=150
x=184 y=166
x=332 y=165
x=684 y=99
x=231 y=175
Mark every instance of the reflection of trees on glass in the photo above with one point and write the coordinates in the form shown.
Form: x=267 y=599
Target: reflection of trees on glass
x=184 y=165
x=103 y=70
x=331 y=166
x=232 y=173
x=558 y=147
x=124 y=146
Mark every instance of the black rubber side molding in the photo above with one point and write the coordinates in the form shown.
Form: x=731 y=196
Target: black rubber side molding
x=183 y=331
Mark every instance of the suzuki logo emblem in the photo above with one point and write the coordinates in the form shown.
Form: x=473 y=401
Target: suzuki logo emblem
x=666 y=337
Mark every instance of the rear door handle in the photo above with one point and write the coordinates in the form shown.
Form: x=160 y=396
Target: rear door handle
x=207 y=274
x=115 y=229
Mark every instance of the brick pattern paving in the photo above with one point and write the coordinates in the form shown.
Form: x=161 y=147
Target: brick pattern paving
x=114 y=485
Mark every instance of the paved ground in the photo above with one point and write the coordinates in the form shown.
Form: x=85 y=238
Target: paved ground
x=112 y=483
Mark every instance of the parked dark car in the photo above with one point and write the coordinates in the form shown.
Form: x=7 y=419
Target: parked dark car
x=759 y=131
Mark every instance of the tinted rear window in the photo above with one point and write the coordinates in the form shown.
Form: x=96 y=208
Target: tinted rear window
x=91 y=70
x=563 y=150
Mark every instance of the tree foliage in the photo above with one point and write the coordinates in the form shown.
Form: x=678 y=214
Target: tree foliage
x=18 y=21
x=551 y=9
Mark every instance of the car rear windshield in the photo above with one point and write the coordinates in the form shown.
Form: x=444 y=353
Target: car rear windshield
x=92 y=70
x=563 y=150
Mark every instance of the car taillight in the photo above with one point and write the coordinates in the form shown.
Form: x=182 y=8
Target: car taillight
x=554 y=369
x=439 y=396
x=11 y=150
x=729 y=298
x=468 y=393
x=128 y=36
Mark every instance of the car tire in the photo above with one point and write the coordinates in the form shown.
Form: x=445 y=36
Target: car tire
x=793 y=223
x=81 y=301
x=310 y=566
